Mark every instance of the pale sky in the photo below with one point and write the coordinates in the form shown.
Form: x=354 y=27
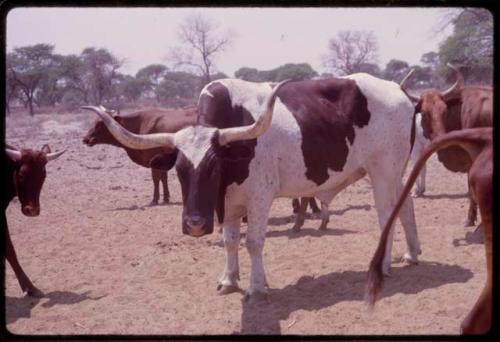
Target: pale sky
x=266 y=37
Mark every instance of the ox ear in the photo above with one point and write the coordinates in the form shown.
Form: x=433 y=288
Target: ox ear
x=164 y=160
x=45 y=149
x=235 y=152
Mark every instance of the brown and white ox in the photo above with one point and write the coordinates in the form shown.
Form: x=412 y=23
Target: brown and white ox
x=144 y=122
x=477 y=142
x=255 y=143
x=457 y=108
x=24 y=177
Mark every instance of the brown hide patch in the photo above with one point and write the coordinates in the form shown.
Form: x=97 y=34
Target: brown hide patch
x=217 y=111
x=326 y=112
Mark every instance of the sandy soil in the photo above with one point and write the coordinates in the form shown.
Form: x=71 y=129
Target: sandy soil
x=110 y=264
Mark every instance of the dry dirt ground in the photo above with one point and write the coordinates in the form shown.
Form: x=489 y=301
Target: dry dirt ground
x=110 y=264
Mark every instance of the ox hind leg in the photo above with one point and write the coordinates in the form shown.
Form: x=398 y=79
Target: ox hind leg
x=10 y=254
x=156 y=175
x=164 y=181
x=472 y=213
x=387 y=187
x=478 y=321
x=301 y=213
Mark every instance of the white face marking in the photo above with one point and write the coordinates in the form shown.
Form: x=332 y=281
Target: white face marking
x=194 y=142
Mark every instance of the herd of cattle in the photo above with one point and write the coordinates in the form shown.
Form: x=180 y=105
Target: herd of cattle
x=247 y=143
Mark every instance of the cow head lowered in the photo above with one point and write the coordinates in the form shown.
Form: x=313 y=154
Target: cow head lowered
x=198 y=154
x=29 y=175
x=440 y=110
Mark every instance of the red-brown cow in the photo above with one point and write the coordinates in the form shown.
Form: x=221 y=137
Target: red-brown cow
x=457 y=108
x=477 y=142
x=24 y=178
x=144 y=122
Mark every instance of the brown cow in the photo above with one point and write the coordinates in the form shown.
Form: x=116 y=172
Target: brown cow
x=457 y=108
x=477 y=142
x=24 y=178
x=144 y=122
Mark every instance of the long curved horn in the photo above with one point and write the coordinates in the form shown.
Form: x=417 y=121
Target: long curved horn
x=54 y=155
x=459 y=83
x=402 y=83
x=13 y=154
x=227 y=135
x=412 y=98
x=129 y=139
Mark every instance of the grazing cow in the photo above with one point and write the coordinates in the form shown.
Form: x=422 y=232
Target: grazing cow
x=477 y=142
x=323 y=136
x=145 y=121
x=24 y=177
x=457 y=108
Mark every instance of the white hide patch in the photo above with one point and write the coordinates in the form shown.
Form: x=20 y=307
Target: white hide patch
x=194 y=142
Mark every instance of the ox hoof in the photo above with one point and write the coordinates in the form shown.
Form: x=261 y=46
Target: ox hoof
x=296 y=229
x=153 y=203
x=408 y=258
x=469 y=223
x=323 y=226
x=166 y=200
x=256 y=296
x=34 y=292
x=226 y=289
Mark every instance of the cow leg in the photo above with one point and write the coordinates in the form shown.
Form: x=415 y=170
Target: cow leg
x=258 y=212
x=419 y=189
x=156 y=175
x=478 y=321
x=472 y=213
x=325 y=216
x=301 y=214
x=313 y=205
x=228 y=283
x=164 y=181
x=22 y=278
x=295 y=205
x=407 y=218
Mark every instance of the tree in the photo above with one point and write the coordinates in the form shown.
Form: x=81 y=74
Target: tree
x=132 y=87
x=301 y=71
x=202 y=42
x=430 y=59
x=470 y=47
x=179 y=84
x=395 y=70
x=100 y=70
x=350 y=50
x=27 y=67
x=152 y=74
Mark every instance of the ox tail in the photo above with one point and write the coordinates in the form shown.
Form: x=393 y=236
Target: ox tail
x=471 y=140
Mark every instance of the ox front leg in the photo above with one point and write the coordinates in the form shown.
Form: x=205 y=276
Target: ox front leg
x=228 y=283
x=256 y=235
x=419 y=189
x=25 y=283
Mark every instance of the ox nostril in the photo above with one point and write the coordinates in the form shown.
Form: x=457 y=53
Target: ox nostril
x=195 y=221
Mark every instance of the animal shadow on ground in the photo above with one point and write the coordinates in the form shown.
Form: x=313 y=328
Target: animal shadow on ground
x=16 y=308
x=279 y=221
x=309 y=293
x=441 y=196
x=143 y=207
x=471 y=238
x=314 y=232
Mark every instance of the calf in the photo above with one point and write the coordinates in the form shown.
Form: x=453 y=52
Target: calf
x=143 y=122
x=456 y=108
x=477 y=143
x=24 y=177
